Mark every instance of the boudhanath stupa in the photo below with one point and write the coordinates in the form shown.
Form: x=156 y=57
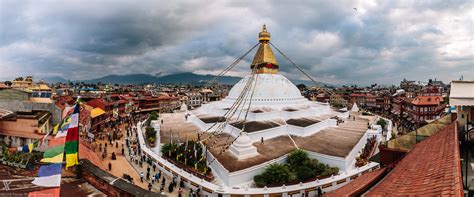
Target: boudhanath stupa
x=277 y=119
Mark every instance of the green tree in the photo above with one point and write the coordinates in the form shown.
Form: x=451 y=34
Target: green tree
x=275 y=174
x=154 y=115
x=301 y=87
x=150 y=132
x=382 y=123
x=297 y=158
x=167 y=148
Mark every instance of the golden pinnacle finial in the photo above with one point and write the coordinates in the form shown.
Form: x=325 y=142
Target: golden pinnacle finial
x=264 y=35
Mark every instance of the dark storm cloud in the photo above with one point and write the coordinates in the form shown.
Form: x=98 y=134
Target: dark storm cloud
x=379 y=42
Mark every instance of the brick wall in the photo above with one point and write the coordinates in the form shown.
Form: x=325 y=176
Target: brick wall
x=110 y=184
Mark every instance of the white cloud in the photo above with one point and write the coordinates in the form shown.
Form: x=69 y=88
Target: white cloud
x=381 y=42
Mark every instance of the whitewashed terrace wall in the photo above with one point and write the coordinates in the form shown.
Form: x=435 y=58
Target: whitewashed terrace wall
x=328 y=159
x=350 y=158
x=312 y=129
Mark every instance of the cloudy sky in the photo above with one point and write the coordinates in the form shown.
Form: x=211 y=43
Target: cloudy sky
x=378 y=42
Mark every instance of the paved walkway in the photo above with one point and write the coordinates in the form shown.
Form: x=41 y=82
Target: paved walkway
x=120 y=165
x=157 y=185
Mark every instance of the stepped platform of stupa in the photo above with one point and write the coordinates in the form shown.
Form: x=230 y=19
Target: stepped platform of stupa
x=266 y=106
x=336 y=141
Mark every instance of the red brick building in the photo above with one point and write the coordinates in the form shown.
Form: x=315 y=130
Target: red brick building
x=423 y=108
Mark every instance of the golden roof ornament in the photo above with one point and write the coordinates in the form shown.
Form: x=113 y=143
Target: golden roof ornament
x=264 y=35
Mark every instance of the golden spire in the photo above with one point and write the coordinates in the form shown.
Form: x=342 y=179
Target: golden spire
x=264 y=35
x=264 y=58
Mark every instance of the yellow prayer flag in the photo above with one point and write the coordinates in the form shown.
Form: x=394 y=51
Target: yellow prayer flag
x=71 y=160
x=56 y=159
x=30 y=147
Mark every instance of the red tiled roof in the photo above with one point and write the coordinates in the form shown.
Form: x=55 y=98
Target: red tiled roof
x=359 y=185
x=357 y=95
x=63 y=100
x=427 y=100
x=398 y=99
x=431 y=168
x=370 y=95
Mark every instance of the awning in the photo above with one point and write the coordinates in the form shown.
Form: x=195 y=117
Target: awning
x=461 y=102
x=462 y=93
x=96 y=112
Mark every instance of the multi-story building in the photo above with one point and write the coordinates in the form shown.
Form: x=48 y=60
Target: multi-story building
x=398 y=105
x=425 y=108
x=321 y=97
x=370 y=101
x=156 y=103
x=359 y=99
x=14 y=100
x=21 y=128
x=194 y=99
x=97 y=118
x=410 y=86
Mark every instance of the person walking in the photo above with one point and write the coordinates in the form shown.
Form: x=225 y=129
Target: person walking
x=110 y=166
x=141 y=176
x=153 y=179
x=180 y=192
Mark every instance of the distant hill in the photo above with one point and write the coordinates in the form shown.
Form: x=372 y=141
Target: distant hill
x=124 y=79
x=54 y=79
x=177 y=78
x=186 y=78
x=195 y=78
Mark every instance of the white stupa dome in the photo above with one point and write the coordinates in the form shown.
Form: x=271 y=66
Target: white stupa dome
x=271 y=89
x=242 y=148
x=243 y=141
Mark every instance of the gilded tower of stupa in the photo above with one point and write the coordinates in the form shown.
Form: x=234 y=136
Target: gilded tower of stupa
x=264 y=59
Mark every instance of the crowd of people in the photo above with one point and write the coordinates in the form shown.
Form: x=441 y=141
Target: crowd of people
x=122 y=135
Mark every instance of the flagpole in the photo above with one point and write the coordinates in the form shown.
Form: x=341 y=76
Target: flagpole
x=78 y=133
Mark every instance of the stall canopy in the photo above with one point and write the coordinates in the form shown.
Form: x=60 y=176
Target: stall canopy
x=96 y=112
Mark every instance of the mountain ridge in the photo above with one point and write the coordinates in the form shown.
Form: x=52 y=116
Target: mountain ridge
x=176 y=78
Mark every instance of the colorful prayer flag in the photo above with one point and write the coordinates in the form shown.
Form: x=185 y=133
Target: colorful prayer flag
x=55 y=151
x=72 y=139
x=49 y=175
